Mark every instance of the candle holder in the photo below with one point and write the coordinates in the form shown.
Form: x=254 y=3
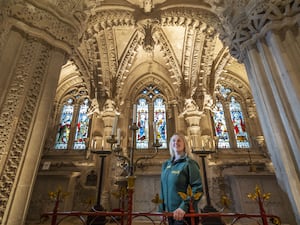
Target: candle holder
x=156 y=145
x=98 y=207
x=130 y=163
x=129 y=160
x=112 y=140
x=202 y=153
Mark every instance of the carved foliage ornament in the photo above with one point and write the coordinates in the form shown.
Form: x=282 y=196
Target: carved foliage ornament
x=37 y=17
x=252 y=21
x=110 y=18
x=189 y=17
x=15 y=131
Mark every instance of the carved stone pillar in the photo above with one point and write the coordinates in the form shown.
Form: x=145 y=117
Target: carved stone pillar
x=192 y=116
x=265 y=36
x=108 y=116
x=33 y=47
x=194 y=130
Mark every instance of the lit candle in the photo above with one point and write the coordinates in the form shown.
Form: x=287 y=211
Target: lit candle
x=214 y=143
x=95 y=144
x=134 y=114
x=154 y=130
x=102 y=145
x=92 y=144
x=118 y=136
x=114 y=128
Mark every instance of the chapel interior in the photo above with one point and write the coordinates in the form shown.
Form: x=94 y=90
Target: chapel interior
x=92 y=90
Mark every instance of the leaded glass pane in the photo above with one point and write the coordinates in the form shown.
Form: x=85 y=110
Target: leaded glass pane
x=82 y=126
x=142 y=137
x=63 y=133
x=160 y=121
x=224 y=91
x=220 y=127
x=238 y=124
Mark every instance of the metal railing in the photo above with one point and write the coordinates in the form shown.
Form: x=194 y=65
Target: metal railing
x=121 y=218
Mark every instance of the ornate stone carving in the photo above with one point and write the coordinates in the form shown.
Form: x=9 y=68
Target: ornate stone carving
x=247 y=21
x=109 y=106
x=110 y=18
x=169 y=56
x=147 y=5
x=102 y=43
x=34 y=17
x=73 y=7
x=4 y=27
x=127 y=60
x=147 y=27
x=13 y=132
x=94 y=108
x=189 y=17
x=190 y=105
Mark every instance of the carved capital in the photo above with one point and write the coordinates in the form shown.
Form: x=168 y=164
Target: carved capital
x=108 y=118
x=103 y=19
x=49 y=21
x=193 y=118
x=244 y=22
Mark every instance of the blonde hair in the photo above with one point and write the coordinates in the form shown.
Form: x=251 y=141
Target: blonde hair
x=186 y=145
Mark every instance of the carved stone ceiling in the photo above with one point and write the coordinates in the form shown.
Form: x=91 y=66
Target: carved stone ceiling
x=173 y=41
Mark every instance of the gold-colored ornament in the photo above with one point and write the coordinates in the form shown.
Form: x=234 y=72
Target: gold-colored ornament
x=189 y=193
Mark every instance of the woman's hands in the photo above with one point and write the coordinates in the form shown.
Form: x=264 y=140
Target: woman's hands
x=178 y=214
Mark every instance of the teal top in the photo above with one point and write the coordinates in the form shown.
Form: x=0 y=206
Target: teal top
x=175 y=177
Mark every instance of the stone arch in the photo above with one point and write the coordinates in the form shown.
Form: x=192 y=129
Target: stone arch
x=156 y=77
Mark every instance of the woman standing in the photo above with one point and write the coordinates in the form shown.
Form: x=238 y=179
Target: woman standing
x=178 y=173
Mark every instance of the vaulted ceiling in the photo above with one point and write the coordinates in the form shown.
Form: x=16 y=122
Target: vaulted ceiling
x=172 y=43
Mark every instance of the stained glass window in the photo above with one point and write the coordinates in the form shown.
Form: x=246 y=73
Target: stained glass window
x=224 y=91
x=142 y=137
x=220 y=127
x=160 y=121
x=238 y=122
x=82 y=126
x=238 y=129
x=63 y=133
x=151 y=118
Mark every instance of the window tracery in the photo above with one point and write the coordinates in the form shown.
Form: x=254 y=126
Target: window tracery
x=73 y=124
x=220 y=126
x=151 y=118
x=229 y=121
x=238 y=122
x=63 y=134
x=82 y=126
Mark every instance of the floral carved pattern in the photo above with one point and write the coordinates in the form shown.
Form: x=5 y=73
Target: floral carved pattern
x=24 y=91
x=46 y=22
x=254 y=21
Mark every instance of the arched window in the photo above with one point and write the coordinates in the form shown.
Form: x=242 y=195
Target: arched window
x=228 y=110
x=73 y=126
x=63 y=134
x=142 y=123
x=220 y=126
x=160 y=123
x=151 y=118
x=82 y=126
x=238 y=122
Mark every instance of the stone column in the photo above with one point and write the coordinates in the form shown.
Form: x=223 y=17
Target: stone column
x=194 y=130
x=108 y=116
x=192 y=116
x=265 y=36
x=33 y=47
